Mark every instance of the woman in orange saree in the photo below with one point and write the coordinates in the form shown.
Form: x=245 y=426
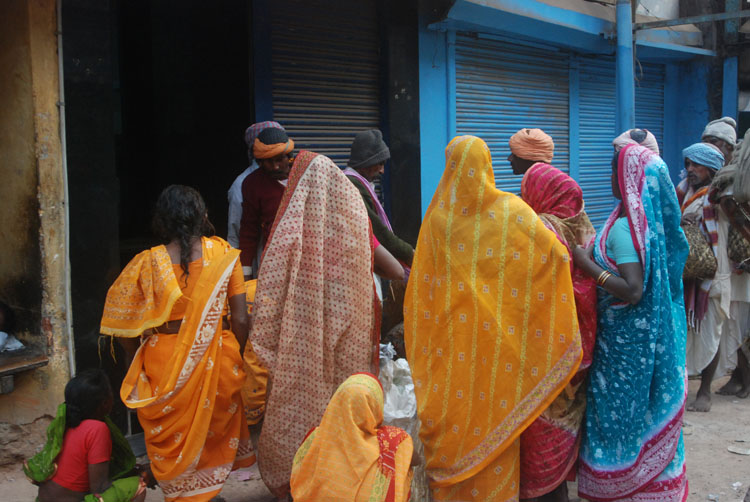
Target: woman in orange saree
x=316 y=318
x=351 y=456
x=549 y=447
x=185 y=376
x=490 y=328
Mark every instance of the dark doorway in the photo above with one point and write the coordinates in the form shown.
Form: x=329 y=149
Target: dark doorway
x=156 y=93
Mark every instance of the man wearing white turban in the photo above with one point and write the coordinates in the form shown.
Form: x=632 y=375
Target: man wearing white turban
x=722 y=133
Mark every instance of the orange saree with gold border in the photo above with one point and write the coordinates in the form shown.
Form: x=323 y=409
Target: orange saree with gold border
x=490 y=328
x=185 y=386
x=351 y=455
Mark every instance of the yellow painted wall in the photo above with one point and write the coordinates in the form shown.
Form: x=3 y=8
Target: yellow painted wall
x=32 y=211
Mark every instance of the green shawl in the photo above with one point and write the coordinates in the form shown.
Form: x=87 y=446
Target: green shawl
x=42 y=466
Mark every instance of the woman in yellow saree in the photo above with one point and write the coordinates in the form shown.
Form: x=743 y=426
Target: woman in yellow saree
x=186 y=375
x=351 y=456
x=490 y=327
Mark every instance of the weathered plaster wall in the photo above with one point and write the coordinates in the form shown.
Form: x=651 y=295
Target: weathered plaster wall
x=32 y=219
x=20 y=269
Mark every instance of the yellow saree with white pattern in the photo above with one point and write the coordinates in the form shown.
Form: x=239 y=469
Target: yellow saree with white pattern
x=490 y=327
x=185 y=386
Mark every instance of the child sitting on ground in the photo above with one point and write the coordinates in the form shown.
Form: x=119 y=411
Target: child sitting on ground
x=86 y=455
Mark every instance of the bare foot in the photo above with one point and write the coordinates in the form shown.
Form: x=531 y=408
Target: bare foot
x=702 y=403
x=732 y=387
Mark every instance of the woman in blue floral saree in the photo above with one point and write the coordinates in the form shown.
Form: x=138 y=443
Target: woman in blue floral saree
x=632 y=447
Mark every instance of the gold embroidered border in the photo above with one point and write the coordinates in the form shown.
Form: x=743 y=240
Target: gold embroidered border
x=561 y=373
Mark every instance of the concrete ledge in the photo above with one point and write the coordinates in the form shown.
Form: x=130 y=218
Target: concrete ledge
x=16 y=362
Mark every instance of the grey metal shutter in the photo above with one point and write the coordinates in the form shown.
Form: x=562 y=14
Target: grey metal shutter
x=502 y=87
x=597 y=109
x=325 y=72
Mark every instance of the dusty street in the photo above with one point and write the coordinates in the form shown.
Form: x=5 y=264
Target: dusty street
x=712 y=469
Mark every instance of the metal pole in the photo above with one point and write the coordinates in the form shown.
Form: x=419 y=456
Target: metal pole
x=64 y=155
x=730 y=85
x=625 y=75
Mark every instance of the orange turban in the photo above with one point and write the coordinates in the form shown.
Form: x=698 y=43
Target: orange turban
x=532 y=144
x=263 y=151
x=271 y=142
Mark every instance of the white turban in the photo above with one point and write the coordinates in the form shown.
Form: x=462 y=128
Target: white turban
x=723 y=128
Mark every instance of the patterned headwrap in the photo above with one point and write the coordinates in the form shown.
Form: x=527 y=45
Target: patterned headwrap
x=252 y=132
x=705 y=154
x=271 y=142
x=641 y=137
x=532 y=144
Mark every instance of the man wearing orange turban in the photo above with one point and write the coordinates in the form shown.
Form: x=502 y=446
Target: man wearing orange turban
x=262 y=191
x=529 y=146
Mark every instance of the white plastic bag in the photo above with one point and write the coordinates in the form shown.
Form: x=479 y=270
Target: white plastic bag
x=400 y=410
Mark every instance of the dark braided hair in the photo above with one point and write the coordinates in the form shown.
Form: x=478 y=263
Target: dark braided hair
x=84 y=394
x=180 y=214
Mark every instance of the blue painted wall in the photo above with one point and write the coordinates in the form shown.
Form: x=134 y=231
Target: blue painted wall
x=433 y=108
x=730 y=88
x=685 y=109
x=685 y=106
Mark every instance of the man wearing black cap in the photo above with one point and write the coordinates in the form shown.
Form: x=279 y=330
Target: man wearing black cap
x=366 y=162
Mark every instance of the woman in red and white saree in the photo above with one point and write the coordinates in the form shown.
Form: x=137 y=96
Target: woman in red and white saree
x=549 y=447
x=316 y=319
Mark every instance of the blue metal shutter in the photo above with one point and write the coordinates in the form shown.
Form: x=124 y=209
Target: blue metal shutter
x=502 y=87
x=325 y=72
x=597 y=109
x=649 y=99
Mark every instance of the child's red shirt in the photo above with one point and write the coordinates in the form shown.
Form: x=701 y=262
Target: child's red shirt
x=89 y=443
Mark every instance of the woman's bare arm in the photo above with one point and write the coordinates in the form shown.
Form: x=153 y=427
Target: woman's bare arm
x=240 y=319
x=628 y=287
x=386 y=265
x=99 y=477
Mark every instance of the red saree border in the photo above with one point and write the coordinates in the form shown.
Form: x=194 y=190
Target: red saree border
x=389 y=439
x=669 y=490
x=653 y=459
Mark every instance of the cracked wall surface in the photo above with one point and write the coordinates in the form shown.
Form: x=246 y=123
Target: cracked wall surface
x=33 y=273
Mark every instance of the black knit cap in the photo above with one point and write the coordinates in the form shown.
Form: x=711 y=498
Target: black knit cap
x=368 y=149
x=273 y=136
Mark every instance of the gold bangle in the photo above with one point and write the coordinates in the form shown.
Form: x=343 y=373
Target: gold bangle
x=609 y=274
x=599 y=279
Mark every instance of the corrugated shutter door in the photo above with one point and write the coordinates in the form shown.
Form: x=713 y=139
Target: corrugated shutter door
x=597 y=105
x=325 y=72
x=649 y=100
x=597 y=108
x=503 y=87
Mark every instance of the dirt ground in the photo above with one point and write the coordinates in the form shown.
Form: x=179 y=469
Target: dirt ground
x=713 y=471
